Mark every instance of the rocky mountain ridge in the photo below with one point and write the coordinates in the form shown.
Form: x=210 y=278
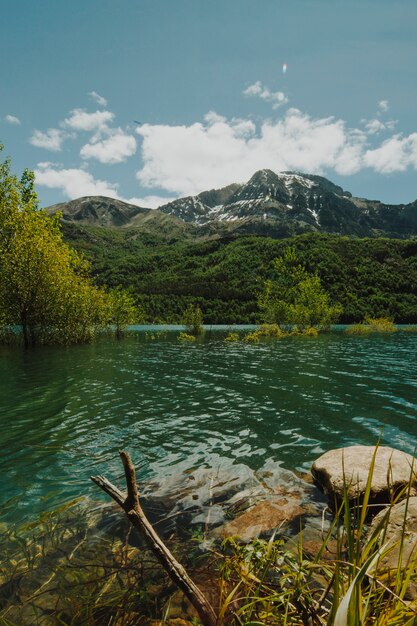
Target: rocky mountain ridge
x=270 y=204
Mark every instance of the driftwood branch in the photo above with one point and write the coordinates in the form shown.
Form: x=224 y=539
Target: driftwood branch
x=130 y=504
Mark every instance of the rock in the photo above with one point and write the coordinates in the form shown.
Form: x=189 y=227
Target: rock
x=400 y=523
x=350 y=467
x=312 y=537
x=261 y=518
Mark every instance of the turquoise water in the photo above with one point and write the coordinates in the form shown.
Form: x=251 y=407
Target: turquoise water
x=176 y=406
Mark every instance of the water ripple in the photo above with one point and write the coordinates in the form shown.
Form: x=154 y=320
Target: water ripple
x=66 y=412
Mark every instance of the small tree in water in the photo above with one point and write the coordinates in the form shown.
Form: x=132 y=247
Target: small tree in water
x=294 y=297
x=193 y=320
x=123 y=310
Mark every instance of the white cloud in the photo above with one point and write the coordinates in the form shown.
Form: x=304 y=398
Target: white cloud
x=101 y=101
x=12 y=119
x=374 y=126
x=48 y=164
x=116 y=148
x=396 y=154
x=151 y=202
x=73 y=182
x=383 y=106
x=52 y=139
x=277 y=98
x=76 y=183
x=186 y=160
x=82 y=120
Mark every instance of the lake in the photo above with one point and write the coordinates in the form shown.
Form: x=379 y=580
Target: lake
x=177 y=406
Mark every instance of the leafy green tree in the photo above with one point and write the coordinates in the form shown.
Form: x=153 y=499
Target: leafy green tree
x=294 y=297
x=44 y=284
x=312 y=306
x=279 y=293
x=193 y=319
x=123 y=309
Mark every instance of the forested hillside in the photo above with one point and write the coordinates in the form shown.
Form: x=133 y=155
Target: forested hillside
x=367 y=276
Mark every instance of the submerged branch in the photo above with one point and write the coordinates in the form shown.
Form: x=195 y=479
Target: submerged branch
x=131 y=505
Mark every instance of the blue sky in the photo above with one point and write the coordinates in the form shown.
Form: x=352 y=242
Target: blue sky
x=206 y=81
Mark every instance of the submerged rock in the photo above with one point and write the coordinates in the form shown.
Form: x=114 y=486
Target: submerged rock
x=348 y=469
x=262 y=518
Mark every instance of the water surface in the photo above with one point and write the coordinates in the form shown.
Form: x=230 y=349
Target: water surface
x=177 y=406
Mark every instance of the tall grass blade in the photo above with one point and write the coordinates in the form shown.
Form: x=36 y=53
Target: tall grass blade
x=342 y=614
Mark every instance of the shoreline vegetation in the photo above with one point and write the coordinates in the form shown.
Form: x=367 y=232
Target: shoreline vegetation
x=84 y=563
x=45 y=285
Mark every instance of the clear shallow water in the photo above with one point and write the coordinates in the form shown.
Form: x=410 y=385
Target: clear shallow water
x=177 y=406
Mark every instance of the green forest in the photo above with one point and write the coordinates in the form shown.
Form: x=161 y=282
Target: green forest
x=368 y=277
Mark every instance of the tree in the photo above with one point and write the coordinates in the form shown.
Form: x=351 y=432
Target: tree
x=123 y=309
x=193 y=319
x=44 y=284
x=294 y=297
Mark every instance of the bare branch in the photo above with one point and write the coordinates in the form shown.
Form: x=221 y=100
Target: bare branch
x=131 y=505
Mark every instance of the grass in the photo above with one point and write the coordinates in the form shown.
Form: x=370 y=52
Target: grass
x=266 y=583
x=186 y=337
x=273 y=331
x=372 y=325
x=62 y=571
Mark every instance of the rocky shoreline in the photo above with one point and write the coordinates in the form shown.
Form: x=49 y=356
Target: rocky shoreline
x=194 y=512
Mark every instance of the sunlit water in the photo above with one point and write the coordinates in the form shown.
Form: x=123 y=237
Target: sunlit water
x=176 y=406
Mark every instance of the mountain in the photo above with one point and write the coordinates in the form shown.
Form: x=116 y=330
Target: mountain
x=290 y=203
x=99 y=211
x=270 y=204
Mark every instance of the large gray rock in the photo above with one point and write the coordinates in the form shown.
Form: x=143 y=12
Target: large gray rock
x=348 y=468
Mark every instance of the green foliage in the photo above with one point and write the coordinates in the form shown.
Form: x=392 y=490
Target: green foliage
x=380 y=324
x=193 y=320
x=277 y=583
x=186 y=337
x=372 y=325
x=296 y=298
x=311 y=331
x=359 y=329
x=44 y=284
x=368 y=277
x=122 y=309
x=252 y=337
x=270 y=330
x=232 y=337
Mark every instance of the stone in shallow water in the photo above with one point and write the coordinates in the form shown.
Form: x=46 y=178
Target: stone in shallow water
x=349 y=468
x=261 y=518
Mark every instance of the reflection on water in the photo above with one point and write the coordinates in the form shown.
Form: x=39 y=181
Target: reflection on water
x=66 y=412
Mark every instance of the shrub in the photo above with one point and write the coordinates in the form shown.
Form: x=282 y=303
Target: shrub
x=186 y=337
x=380 y=324
x=193 y=320
x=252 y=337
x=232 y=337
x=311 y=332
x=358 y=329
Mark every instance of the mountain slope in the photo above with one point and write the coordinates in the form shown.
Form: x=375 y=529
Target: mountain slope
x=269 y=204
x=102 y=212
x=290 y=203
